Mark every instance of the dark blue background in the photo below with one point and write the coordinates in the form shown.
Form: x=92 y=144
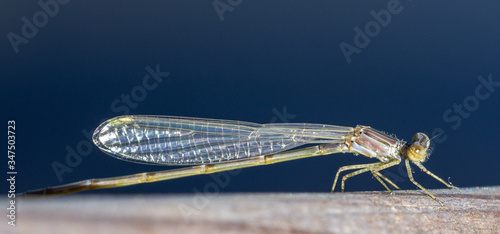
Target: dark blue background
x=261 y=57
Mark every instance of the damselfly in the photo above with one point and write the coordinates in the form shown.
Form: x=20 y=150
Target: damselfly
x=220 y=145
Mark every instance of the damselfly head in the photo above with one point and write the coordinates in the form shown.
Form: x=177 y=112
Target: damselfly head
x=418 y=151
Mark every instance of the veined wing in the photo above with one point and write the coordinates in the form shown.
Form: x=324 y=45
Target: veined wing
x=170 y=140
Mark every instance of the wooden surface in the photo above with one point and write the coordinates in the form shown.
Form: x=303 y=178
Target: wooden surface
x=472 y=210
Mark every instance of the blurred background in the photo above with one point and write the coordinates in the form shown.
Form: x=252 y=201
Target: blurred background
x=399 y=66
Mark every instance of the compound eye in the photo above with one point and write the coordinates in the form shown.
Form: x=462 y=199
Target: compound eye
x=418 y=150
x=421 y=139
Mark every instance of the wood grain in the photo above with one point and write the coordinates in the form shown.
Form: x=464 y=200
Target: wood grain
x=471 y=211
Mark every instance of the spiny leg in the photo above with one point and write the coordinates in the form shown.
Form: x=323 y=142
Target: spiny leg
x=383 y=167
x=351 y=167
x=377 y=175
x=434 y=176
x=382 y=182
x=353 y=174
x=374 y=168
x=386 y=179
x=408 y=168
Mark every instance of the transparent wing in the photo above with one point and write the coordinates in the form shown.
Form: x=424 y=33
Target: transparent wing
x=185 y=141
